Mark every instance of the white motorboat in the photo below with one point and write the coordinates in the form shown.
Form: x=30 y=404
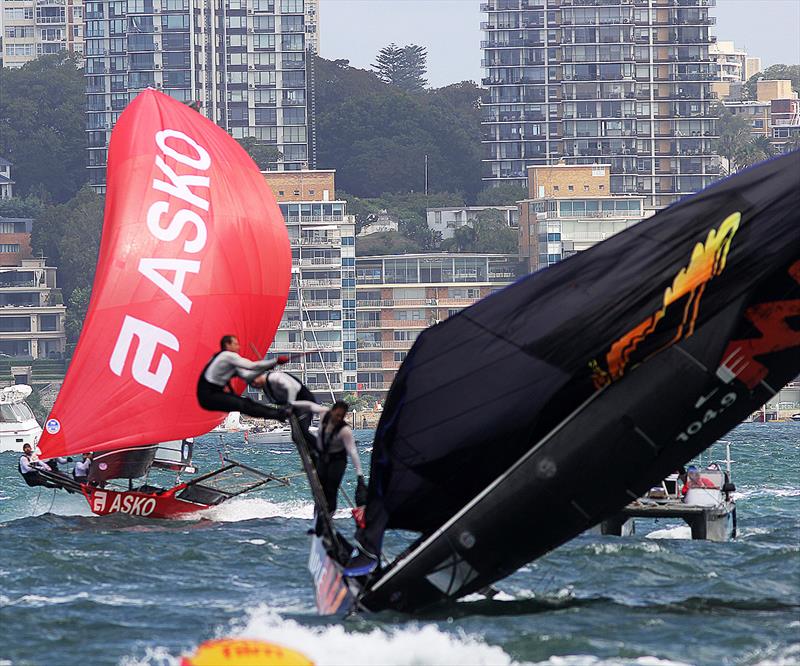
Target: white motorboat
x=18 y=425
x=232 y=423
x=274 y=434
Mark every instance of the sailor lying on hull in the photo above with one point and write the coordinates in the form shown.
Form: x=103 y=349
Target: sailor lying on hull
x=30 y=467
x=334 y=443
x=284 y=389
x=214 y=392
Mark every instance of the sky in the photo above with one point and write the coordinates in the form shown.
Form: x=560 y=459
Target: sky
x=356 y=30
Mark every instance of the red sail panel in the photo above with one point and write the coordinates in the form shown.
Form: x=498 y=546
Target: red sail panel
x=194 y=247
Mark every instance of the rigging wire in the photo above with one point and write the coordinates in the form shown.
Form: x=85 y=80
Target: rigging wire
x=303 y=314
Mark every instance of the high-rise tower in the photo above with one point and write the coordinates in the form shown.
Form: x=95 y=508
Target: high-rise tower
x=619 y=82
x=244 y=61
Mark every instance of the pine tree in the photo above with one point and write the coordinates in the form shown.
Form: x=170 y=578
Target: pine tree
x=404 y=67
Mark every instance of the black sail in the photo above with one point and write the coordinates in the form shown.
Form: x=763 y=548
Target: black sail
x=516 y=424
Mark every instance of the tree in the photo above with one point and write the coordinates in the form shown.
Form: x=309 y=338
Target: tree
x=506 y=194
x=376 y=136
x=263 y=154
x=734 y=136
x=402 y=67
x=388 y=242
x=487 y=233
x=76 y=312
x=771 y=73
x=69 y=235
x=25 y=207
x=43 y=125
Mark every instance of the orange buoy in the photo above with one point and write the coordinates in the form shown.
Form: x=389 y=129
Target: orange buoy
x=235 y=652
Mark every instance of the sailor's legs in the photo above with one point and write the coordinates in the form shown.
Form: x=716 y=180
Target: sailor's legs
x=221 y=401
x=330 y=470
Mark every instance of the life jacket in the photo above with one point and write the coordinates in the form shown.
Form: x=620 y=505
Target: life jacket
x=330 y=443
x=19 y=464
x=278 y=395
x=229 y=386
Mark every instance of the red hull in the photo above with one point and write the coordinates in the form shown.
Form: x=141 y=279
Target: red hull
x=147 y=505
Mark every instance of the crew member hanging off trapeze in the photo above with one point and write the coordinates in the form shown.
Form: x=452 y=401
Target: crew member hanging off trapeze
x=215 y=393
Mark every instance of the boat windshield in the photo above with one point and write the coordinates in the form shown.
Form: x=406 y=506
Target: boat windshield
x=15 y=413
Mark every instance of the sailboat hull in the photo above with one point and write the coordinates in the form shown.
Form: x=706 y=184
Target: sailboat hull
x=145 y=504
x=610 y=450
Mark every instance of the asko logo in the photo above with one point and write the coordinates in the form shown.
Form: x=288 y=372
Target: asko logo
x=122 y=503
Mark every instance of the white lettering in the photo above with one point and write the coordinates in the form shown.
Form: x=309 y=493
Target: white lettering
x=179 y=185
x=99 y=501
x=176 y=225
x=203 y=160
x=150 y=269
x=127 y=502
x=149 y=337
x=115 y=504
x=148 y=506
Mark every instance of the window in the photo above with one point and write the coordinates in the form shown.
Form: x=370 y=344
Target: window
x=400 y=356
x=48 y=322
x=570 y=188
x=9 y=247
x=555 y=188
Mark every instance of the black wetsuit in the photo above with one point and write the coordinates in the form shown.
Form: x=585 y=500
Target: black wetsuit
x=277 y=393
x=216 y=398
x=33 y=476
x=331 y=461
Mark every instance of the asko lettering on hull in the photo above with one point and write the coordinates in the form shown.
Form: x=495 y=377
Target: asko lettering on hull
x=104 y=502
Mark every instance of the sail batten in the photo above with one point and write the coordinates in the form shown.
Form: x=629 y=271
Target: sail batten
x=194 y=247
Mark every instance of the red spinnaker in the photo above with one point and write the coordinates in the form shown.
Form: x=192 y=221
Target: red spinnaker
x=194 y=247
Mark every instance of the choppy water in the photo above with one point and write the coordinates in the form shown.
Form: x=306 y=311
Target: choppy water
x=79 y=589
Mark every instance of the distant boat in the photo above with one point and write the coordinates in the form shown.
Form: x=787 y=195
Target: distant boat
x=795 y=417
x=18 y=425
x=233 y=423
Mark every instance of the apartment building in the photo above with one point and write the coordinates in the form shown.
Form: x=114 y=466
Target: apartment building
x=320 y=312
x=618 y=82
x=730 y=63
x=32 y=28
x=570 y=209
x=399 y=296
x=243 y=61
x=31 y=311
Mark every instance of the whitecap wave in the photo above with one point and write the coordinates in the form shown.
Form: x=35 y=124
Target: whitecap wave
x=674 y=532
x=589 y=660
x=753 y=492
x=333 y=645
x=255 y=508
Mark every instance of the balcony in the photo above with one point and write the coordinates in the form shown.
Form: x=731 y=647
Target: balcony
x=374 y=386
x=328 y=282
x=323 y=324
x=318 y=261
x=404 y=345
x=328 y=304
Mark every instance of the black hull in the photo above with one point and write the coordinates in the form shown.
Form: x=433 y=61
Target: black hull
x=613 y=448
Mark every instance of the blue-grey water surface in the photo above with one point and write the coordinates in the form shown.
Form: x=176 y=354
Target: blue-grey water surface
x=80 y=589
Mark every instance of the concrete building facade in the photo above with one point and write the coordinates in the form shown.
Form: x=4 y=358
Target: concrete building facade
x=320 y=312
x=32 y=28
x=446 y=220
x=243 y=61
x=569 y=210
x=31 y=311
x=619 y=82
x=399 y=296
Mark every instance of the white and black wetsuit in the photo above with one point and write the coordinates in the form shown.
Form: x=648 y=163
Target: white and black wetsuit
x=29 y=469
x=283 y=388
x=215 y=379
x=334 y=443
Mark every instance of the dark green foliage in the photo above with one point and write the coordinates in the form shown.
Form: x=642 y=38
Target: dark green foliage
x=263 y=154
x=26 y=207
x=736 y=143
x=69 y=236
x=488 y=233
x=42 y=126
x=402 y=67
x=502 y=195
x=76 y=312
x=376 y=136
x=771 y=73
x=390 y=242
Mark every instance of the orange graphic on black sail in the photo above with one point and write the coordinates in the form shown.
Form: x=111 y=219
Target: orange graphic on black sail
x=676 y=317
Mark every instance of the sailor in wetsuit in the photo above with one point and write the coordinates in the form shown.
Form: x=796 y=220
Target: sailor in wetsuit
x=284 y=389
x=30 y=467
x=334 y=443
x=213 y=387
